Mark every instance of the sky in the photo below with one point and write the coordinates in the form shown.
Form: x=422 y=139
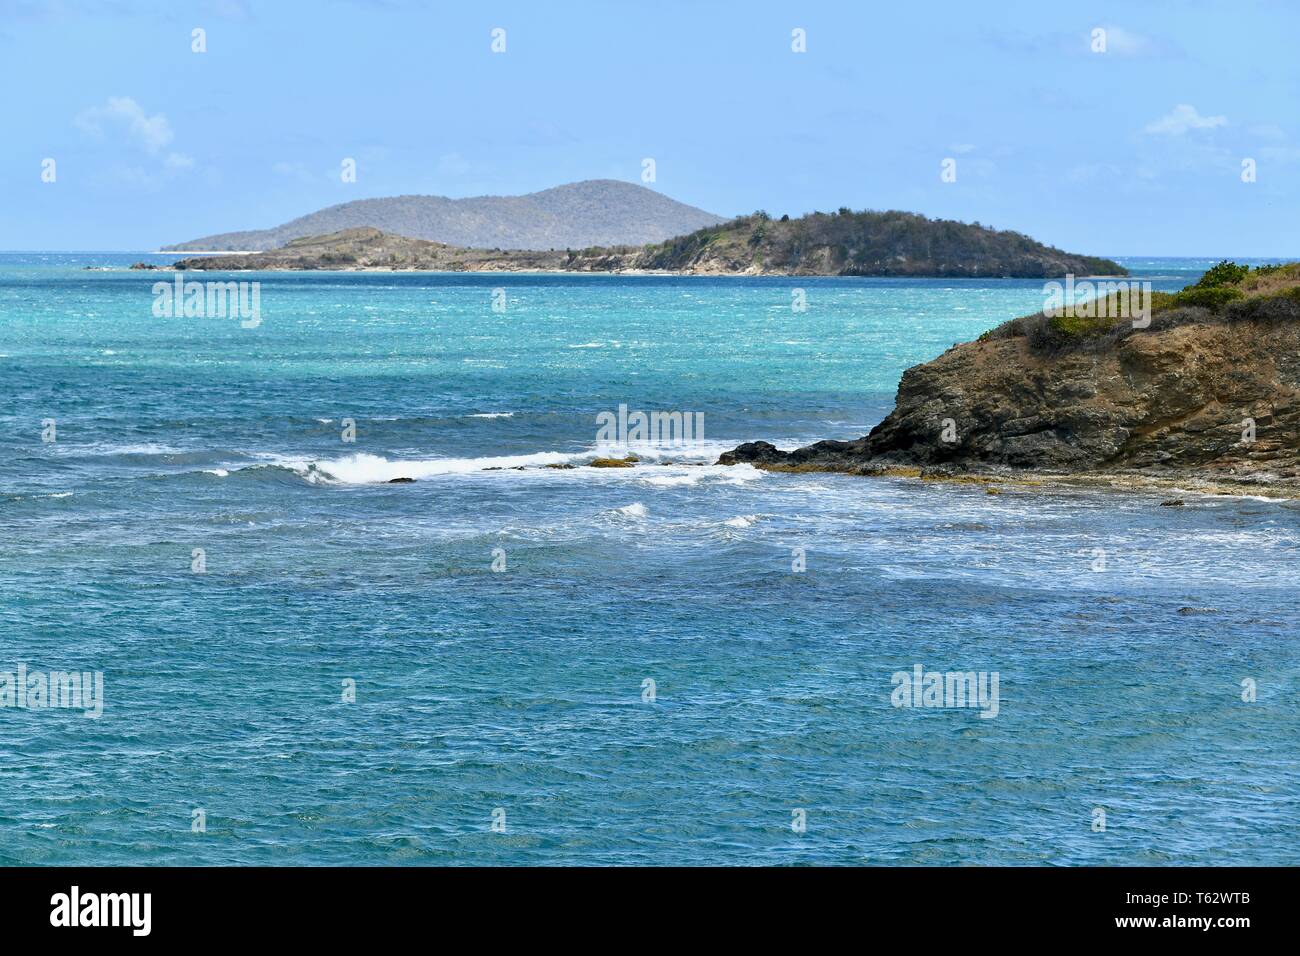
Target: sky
x=1180 y=137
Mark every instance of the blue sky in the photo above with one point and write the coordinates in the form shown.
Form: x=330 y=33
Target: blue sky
x=1134 y=151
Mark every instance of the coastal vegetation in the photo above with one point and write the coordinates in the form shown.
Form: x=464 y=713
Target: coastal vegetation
x=1227 y=292
x=868 y=243
x=842 y=243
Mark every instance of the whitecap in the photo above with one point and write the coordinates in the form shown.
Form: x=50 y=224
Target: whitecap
x=364 y=469
x=672 y=481
x=141 y=448
x=696 y=450
x=739 y=474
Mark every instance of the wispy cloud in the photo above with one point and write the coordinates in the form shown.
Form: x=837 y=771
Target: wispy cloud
x=1121 y=42
x=124 y=123
x=1181 y=119
x=122 y=114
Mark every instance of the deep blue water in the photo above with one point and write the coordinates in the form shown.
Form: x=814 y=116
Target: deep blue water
x=522 y=690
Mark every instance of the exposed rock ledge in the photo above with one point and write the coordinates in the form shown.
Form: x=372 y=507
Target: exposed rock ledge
x=1098 y=400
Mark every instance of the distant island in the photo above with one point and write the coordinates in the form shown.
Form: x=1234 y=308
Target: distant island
x=843 y=243
x=1203 y=391
x=595 y=212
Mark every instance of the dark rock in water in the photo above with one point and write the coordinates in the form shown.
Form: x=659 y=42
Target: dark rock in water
x=400 y=481
x=560 y=466
x=1173 y=503
x=143 y=265
x=757 y=453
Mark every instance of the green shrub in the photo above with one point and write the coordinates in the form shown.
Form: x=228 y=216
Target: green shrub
x=1079 y=326
x=1224 y=274
x=1162 y=300
x=1213 y=297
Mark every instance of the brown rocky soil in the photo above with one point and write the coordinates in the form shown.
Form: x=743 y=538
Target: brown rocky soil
x=1173 y=402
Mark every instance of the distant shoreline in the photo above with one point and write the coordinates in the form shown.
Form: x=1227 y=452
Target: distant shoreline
x=612 y=272
x=208 y=252
x=843 y=243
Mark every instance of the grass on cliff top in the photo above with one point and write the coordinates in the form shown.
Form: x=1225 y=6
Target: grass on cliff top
x=1111 y=311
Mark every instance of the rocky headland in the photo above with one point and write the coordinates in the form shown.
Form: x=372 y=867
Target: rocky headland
x=1204 y=396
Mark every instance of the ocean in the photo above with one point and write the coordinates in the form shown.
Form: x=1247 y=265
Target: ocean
x=502 y=662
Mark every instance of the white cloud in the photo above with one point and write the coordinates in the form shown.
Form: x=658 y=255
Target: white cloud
x=125 y=114
x=1121 y=42
x=1183 y=118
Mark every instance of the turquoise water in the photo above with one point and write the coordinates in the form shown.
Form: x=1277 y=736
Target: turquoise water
x=522 y=690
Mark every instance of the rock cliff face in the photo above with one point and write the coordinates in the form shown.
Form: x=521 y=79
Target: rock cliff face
x=1201 y=392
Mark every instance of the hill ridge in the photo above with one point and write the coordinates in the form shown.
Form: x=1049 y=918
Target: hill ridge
x=593 y=212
